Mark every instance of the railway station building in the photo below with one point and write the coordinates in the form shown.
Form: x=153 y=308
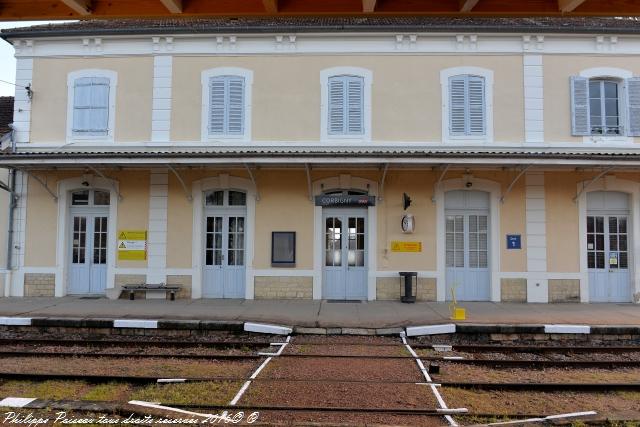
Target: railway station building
x=317 y=158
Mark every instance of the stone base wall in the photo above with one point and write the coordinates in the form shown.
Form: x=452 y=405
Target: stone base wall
x=389 y=288
x=564 y=290
x=39 y=284
x=130 y=279
x=283 y=287
x=185 y=286
x=513 y=290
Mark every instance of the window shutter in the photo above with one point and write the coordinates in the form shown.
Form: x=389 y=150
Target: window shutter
x=633 y=103
x=217 y=105
x=99 y=120
x=457 y=104
x=580 y=125
x=476 y=105
x=91 y=106
x=236 y=106
x=355 y=116
x=336 y=105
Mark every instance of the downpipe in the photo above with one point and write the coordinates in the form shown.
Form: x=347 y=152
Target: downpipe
x=13 y=202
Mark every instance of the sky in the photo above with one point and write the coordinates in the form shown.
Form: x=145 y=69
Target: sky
x=7 y=61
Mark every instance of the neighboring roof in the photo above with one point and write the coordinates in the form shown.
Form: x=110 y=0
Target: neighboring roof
x=577 y=25
x=6 y=114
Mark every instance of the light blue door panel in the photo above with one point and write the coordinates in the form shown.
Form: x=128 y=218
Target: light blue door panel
x=88 y=254
x=224 y=270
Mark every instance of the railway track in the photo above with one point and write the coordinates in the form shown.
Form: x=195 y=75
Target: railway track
x=488 y=348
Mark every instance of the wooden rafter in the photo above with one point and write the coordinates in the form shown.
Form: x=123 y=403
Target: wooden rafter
x=569 y=5
x=173 y=6
x=82 y=7
x=467 y=5
x=369 y=6
x=271 y=6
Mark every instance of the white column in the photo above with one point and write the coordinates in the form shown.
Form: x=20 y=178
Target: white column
x=537 y=284
x=161 y=110
x=157 y=235
x=22 y=103
x=533 y=98
x=16 y=281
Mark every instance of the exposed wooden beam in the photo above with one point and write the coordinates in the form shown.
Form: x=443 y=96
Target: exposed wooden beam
x=173 y=6
x=467 y=5
x=369 y=6
x=569 y=5
x=271 y=6
x=82 y=7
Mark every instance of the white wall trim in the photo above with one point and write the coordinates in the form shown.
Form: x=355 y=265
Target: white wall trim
x=325 y=74
x=157 y=233
x=65 y=186
x=533 y=70
x=610 y=183
x=113 y=88
x=283 y=272
x=22 y=103
x=618 y=73
x=495 y=191
x=487 y=74
x=248 y=88
x=162 y=96
x=221 y=182
x=345 y=182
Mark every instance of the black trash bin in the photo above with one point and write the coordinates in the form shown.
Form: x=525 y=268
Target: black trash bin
x=408 y=276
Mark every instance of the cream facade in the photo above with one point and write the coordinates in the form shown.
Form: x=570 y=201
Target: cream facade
x=277 y=166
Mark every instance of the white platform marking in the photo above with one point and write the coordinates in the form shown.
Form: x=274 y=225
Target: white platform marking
x=15 y=321
x=16 y=402
x=264 y=328
x=141 y=324
x=448 y=328
x=567 y=329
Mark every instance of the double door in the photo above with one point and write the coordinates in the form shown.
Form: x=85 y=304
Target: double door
x=608 y=258
x=88 y=268
x=224 y=269
x=345 y=254
x=467 y=256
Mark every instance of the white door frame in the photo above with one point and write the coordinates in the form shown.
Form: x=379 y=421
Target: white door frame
x=221 y=182
x=65 y=187
x=494 y=189
x=345 y=182
x=610 y=183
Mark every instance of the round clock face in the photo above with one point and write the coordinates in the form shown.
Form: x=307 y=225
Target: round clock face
x=407 y=223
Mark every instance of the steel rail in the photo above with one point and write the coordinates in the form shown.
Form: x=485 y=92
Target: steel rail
x=535 y=349
x=209 y=357
x=138 y=343
x=98 y=379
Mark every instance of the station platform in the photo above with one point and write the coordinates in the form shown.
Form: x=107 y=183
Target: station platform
x=322 y=314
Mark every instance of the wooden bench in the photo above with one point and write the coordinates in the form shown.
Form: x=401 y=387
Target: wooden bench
x=160 y=287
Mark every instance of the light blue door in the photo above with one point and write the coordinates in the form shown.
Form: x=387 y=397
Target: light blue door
x=345 y=254
x=224 y=271
x=467 y=245
x=608 y=244
x=88 y=267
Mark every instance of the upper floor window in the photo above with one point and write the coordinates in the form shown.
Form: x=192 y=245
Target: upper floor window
x=346 y=103
x=605 y=102
x=226 y=103
x=91 y=105
x=467 y=104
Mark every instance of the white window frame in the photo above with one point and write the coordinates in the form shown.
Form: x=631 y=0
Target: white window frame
x=325 y=75
x=487 y=74
x=620 y=75
x=113 y=85
x=206 y=103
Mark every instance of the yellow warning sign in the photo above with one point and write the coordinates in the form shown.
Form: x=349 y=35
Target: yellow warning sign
x=397 y=246
x=132 y=245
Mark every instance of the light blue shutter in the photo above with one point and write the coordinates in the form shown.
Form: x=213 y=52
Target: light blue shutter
x=355 y=114
x=235 y=120
x=91 y=106
x=336 y=120
x=476 y=106
x=457 y=104
x=217 y=105
x=633 y=104
x=580 y=125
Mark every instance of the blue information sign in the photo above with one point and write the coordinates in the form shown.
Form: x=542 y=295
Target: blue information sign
x=514 y=241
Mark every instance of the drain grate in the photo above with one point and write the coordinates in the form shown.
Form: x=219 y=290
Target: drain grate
x=344 y=301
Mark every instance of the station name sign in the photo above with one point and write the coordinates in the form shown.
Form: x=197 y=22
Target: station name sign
x=345 y=201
